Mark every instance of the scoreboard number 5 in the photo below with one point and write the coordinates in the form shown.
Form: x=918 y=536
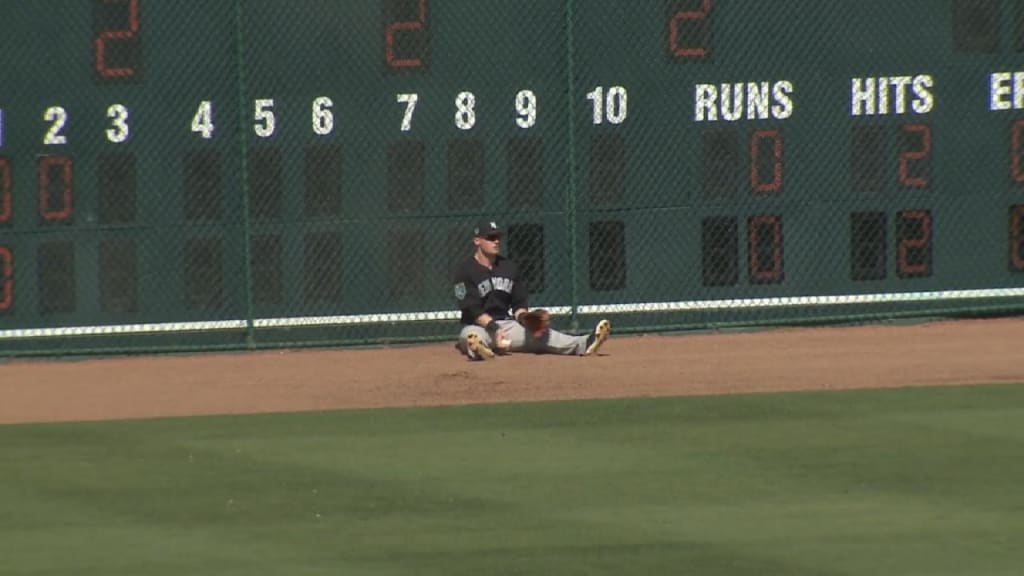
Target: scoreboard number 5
x=263 y=115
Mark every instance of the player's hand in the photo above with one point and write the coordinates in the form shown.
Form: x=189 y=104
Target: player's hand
x=502 y=341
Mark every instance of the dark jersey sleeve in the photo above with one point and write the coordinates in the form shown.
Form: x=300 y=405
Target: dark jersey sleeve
x=467 y=295
x=520 y=291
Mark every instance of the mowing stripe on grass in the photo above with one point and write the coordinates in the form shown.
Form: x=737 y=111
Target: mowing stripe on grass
x=913 y=481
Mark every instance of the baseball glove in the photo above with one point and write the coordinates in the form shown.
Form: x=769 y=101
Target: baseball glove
x=536 y=322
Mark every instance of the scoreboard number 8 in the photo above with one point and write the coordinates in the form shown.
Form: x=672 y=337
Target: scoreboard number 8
x=465 y=113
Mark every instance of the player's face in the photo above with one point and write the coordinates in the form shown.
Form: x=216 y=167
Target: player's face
x=490 y=244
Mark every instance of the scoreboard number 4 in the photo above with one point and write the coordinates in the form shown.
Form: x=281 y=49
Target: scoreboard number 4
x=202 y=121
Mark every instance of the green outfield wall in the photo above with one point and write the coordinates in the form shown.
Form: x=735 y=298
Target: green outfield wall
x=213 y=173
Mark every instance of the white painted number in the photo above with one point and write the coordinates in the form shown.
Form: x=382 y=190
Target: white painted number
x=264 y=116
x=323 y=118
x=119 y=130
x=614 y=106
x=202 y=122
x=526 y=108
x=617 y=105
x=410 y=107
x=57 y=117
x=465 y=115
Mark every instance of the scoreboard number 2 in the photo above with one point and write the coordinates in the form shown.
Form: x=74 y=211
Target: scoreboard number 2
x=116 y=40
x=689 y=32
x=406 y=38
x=58 y=118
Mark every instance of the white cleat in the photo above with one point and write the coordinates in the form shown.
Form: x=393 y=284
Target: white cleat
x=476 y=347
x=595 y=340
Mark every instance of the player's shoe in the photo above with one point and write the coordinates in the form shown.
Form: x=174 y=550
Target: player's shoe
x=476 y=348
x=598 y=337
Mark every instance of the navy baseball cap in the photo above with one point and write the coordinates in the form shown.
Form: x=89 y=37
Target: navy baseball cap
x=487 y=228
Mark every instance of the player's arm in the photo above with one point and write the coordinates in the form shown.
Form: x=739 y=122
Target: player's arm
x=471 y=302
x=518 y=314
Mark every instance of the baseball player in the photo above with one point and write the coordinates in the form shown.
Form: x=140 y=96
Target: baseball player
x=496 y=318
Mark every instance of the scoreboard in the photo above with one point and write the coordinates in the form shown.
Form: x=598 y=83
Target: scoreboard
x=249 y=169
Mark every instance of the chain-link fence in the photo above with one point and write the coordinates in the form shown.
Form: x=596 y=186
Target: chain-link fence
x=225 y=174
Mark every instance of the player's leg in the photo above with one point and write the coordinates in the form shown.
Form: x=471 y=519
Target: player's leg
x=597 y=338
x=516 y=334
x=475 y=343
x=585 y=345
x=562 y=343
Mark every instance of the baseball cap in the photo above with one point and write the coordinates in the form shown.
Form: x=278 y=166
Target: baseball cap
x=487 y=227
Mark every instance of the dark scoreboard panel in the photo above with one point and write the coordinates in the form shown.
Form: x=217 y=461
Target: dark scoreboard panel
x=780 y=149
x=215 y=165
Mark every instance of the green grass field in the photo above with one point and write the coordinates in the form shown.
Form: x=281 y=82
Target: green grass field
x=901 y=482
